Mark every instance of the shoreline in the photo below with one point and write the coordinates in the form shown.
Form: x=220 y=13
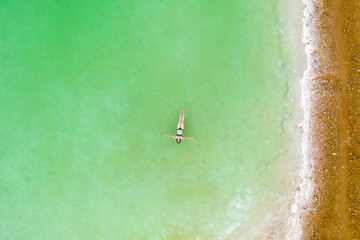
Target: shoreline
x=326 y=195
x=280 y=226
x=327 y=203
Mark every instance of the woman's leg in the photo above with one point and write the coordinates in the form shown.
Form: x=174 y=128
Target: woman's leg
x=179 y=124
x=182 y=122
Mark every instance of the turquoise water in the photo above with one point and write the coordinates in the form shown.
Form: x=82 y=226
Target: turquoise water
x=89 y=88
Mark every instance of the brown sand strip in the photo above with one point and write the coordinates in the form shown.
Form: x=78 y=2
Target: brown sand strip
x=333 y=84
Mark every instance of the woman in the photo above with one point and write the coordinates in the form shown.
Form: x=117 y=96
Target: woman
x=180 y=129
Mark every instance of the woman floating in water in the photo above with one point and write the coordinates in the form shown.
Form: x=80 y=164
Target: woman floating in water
x=180 y=129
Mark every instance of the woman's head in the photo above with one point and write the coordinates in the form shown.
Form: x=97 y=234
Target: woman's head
x=178 y=140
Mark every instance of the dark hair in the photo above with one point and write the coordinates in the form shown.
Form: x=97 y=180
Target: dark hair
x=178 y=141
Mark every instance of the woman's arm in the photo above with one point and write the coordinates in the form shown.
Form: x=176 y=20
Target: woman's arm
x=190 y=138
x=169 y=136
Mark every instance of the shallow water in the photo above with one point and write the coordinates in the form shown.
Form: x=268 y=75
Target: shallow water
x=88 y=89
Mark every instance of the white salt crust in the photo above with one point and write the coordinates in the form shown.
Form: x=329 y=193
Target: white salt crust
x=303 y=195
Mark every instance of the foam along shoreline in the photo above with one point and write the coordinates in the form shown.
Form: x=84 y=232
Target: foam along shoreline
x=327 y=204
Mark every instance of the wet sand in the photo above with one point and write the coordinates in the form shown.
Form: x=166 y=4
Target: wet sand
x=331 y=90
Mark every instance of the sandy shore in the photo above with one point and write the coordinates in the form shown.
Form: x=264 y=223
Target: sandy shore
x=331 y=93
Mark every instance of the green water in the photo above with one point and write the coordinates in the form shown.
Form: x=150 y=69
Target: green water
x=89 y=88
